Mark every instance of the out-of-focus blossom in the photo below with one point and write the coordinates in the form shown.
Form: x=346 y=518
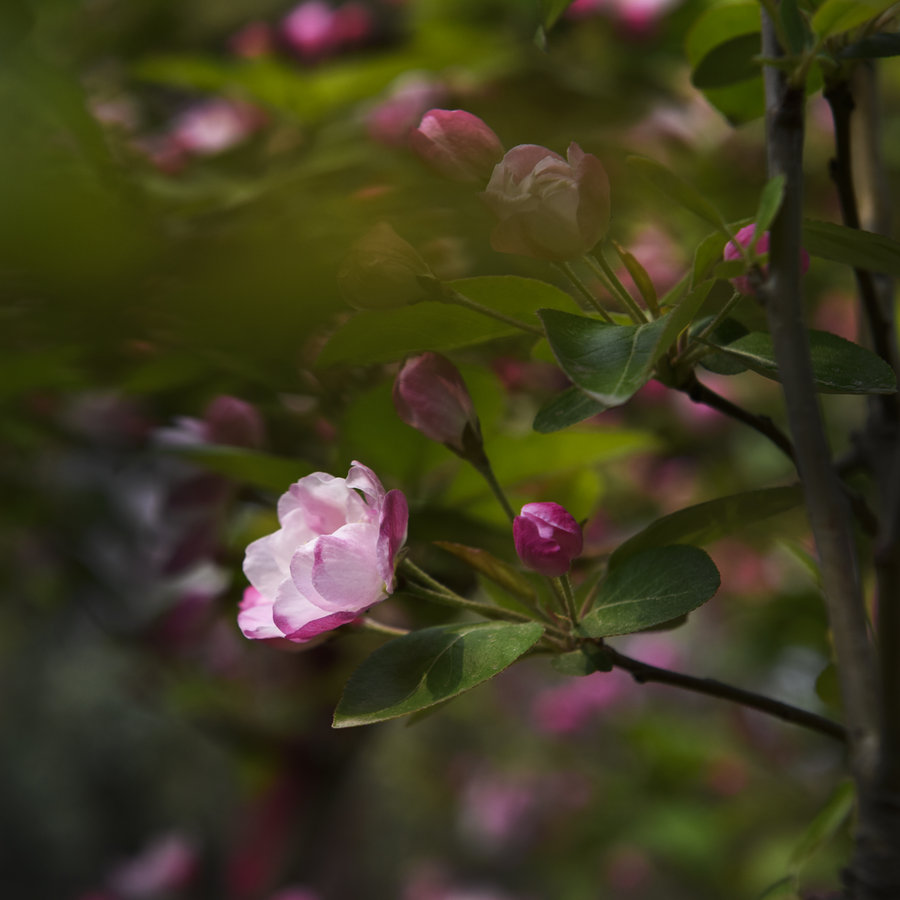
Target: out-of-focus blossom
x=394 y=118
x=837 y=312
x=548 y=207
x=635 y=17
x=254 y=40
x=745 y=238
x=211 y=127
x=567 y=707
x=226 y=420
x=457 y=144
x=660 y=256
x=382 y=271
x=314 y=29
x=431 y=396
x=332 y=558
x=166 y=865
x=295 y=893
x=547 y=538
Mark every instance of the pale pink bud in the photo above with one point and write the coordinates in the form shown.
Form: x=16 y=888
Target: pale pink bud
x=382 y=271
x=431 y=396
x=547 y=538
x=745 y=237
x=457 y=145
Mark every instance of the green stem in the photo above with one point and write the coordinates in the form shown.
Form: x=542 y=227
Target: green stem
x=483 y=466
x=371 y=624
x=451 y=296
x=583 y=289
x=563 y=587
x=696 y=349
x=603 y=270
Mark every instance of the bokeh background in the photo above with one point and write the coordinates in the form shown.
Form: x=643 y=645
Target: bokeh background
x=179 y=183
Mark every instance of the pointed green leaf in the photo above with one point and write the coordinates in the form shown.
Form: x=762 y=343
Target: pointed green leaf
x=640 y=277
x=496 y=570
x=709 y=521
x=825 y=825
x=794 y=25
x=852 y=246
x=677 y=189
x=873 y=46
x=709 y=252
x=651 y=587
x=839 y=365
x=568 y=408
x=835 y=16
x=769 y=204
x=551 y=10
x=727 y=331
x=426 y=667
x=731 y=61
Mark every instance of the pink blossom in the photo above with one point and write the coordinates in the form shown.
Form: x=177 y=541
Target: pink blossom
x=548 y=207
x=547 y=538
x=565 y=708
x=392 y=120
x=431 y=396
x=226 y=420
x=332 y=558
x=255 y=39
x=745 y=238
x=214 y=126
x=314 y=29
x=457 y=144
x=165 y=865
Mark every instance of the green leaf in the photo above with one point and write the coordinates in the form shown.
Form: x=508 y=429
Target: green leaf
x=709 y=252
x=496 y=570
x=589 y=658
x=376 y=336
x=426 y=667
x=852 y=246
x=551 y=10
x=611 y=362
x=651 y=587
x=835 y=16
x=794 y=25
x=274 y=473
x=677 y=189
x=639 y=276
x=873 y=46
x=769 y=204
x=824 y=826
x=839 y=365
x=731 y=61
x=709 y=521
x=568 y=408
x=727 y=331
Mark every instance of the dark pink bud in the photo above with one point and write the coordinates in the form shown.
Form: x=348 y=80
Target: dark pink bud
x=547 y=538
x=431 y=396
x=457 y=144
x=745 y=239
x=234 y=422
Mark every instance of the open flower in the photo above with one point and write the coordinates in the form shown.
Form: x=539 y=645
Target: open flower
x=547 y=538
x=745 y=238
x=332 y=558
x=548 y=207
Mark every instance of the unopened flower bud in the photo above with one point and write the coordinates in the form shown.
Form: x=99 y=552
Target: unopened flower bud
x=548 y=207
x=547 y=538
x=457 y=145
x=431 y=396
x=745 y=238
x=382 y=271
x=233 y=422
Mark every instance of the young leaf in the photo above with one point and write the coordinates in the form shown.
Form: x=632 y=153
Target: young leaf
x=426 y=667
x=709 y=521
x=639 y=276
x=589 y=658
x=677 y=189
x=568 y=408
x=835 y=16
x=551 y=10
x=794 y=25
x=825 y=825
x=769 y=204
x=651 y=587
x=496 y=570
x=873 y=46
x=709 y=252
x=839 y=365
x=852 y=246
x=731 y=61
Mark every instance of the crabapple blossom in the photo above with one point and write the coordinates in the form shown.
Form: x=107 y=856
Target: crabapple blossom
x=332 y=558
x=547 y=538
x=457 y=145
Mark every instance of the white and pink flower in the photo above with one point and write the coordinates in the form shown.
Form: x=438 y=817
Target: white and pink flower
x=331 y=560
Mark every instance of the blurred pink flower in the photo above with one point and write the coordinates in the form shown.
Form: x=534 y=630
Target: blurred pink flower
x=547 y=538
x=392 y=120
x=165 y=865
x=548 y=207
x=635 y=17
x=314 y=29
x=226 y=420
x=213 y=126
x=332 y=558
x=457 y=144
x=565 y=708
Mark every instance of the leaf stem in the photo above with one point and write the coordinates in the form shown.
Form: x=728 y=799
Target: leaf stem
x=448 y=295
x=371 y=624
x=582 y=289
x=643 y=672
x=604 y=271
